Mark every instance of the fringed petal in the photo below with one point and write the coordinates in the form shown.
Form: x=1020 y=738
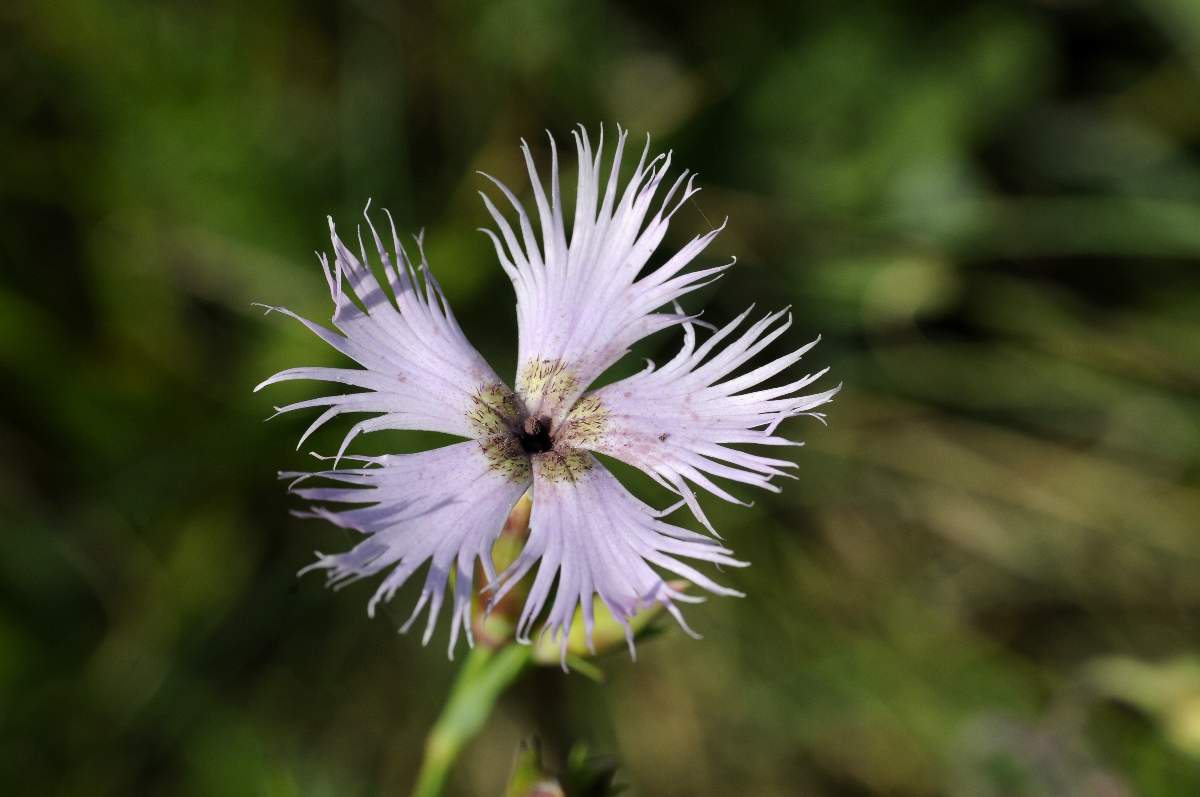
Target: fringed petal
x=679 y=423
x=581 y=304
x=418 y=369
x=444 y=507
x=597 y=540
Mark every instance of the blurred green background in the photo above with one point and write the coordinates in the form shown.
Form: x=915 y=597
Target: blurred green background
x=986 y=580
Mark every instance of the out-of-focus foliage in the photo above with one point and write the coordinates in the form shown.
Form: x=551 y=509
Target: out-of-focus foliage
x=986 y=580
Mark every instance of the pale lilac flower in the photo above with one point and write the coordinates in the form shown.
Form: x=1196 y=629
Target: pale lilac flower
x=582 y=302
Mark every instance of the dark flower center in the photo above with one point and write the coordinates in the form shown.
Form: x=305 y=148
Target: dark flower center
x=535 y=436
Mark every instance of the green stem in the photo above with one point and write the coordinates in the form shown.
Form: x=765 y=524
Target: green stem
x=484 y=676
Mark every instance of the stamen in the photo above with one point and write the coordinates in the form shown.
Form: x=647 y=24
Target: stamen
x=535 y=435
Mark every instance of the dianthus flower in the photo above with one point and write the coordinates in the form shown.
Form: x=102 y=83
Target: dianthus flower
x=582 y=303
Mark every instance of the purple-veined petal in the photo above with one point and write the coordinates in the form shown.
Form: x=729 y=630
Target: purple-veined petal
x=580 y=303
x=444 y=507
x=598 y=540
x=680 y=423
x=418 y=369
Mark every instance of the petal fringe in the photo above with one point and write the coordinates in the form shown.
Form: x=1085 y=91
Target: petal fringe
x=581 y=303
x=597 y=540
x=678 y=423
x=444 y=507
x=418 y=369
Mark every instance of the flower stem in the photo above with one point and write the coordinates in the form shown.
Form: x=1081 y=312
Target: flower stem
x=484 y=676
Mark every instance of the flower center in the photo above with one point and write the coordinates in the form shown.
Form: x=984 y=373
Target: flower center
x=513 y=440
x=534 y=435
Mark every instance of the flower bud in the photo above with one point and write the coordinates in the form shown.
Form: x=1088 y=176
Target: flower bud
x=608 y=634
x=529 y=778
x=495 y=627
